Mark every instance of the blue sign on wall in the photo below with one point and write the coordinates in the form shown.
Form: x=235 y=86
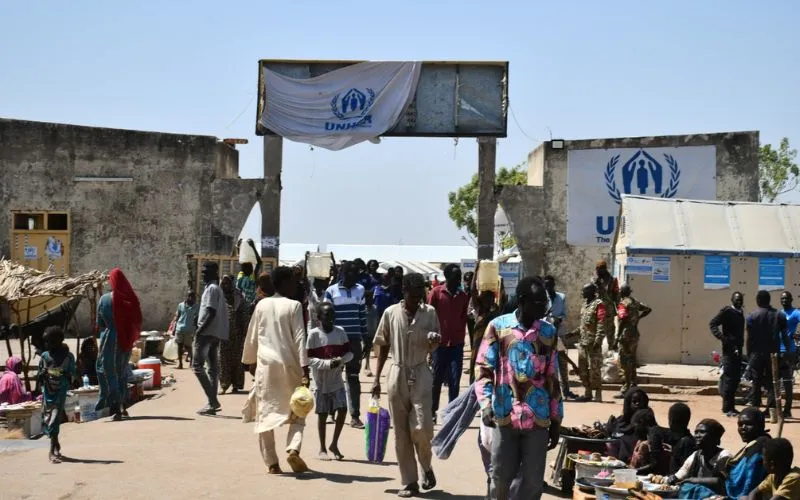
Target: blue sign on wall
x=771 y=274
x=717 y=272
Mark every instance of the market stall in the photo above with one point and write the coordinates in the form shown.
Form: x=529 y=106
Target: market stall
x=33 y=300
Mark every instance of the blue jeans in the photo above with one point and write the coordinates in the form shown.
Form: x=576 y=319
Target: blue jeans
x=206 y=349
x=448 y=362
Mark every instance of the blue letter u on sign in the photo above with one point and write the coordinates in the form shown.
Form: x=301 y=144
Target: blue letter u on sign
x=609 y=223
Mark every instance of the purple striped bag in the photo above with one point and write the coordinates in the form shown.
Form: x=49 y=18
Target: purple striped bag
x=376 y=432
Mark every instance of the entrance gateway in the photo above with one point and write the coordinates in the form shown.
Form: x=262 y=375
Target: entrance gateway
x=335 y=104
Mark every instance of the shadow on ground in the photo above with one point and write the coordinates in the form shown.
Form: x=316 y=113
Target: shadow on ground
x=341 y=478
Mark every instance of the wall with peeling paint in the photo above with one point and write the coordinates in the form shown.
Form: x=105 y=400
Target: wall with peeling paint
x=538 y=212
x=185 y=197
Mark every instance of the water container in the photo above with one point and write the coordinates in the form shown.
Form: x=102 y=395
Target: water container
x=247 y=254
x=319 y=265
x=86 y=381
x=489 y=276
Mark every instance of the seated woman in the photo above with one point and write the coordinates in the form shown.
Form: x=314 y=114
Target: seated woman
x=678 y=437
x=620 y=427
x=87 y=360
x=736 y=476
x=701 y=466
x=649 y=455
x=11 y=389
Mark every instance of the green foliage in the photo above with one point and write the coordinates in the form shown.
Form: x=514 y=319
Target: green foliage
x=464 y=202
x=777 y=170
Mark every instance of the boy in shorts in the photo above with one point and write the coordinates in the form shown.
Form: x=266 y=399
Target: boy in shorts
x=328 y=352
x=185 y=326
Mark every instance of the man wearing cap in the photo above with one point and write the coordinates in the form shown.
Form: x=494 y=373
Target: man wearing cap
x=607 y=291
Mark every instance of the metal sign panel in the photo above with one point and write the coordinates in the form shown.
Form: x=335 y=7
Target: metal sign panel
x=453 y=99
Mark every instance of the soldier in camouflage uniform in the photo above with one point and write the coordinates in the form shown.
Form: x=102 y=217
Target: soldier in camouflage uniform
x=590 y=352
x=608 y=292
x=629 y=312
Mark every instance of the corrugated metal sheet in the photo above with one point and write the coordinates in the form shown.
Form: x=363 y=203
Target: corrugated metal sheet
x=694 y=226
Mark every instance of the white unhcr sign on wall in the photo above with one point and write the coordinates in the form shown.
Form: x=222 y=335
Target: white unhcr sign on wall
x=597 y=179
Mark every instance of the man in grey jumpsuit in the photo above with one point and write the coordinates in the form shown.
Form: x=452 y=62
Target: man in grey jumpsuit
x=410 y=331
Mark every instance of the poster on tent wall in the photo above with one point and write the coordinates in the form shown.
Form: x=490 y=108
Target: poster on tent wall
x=771 y=274
x=597 y=179
x=341 y=108
x=716 y=272
x=661 y=269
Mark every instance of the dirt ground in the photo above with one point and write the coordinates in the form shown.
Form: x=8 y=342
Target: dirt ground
x=167 y=451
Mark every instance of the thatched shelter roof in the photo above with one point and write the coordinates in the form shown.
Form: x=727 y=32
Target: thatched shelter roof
x=18 y=282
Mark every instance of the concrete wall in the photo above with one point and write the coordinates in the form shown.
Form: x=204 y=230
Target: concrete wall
x=185 y=197
x=538 y=215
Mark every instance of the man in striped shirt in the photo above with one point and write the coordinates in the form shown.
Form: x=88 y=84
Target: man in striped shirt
x=347 y=297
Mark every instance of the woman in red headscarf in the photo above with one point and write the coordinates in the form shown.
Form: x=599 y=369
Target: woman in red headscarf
x=119 y=317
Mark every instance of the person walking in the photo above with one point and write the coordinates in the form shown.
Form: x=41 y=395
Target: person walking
x=629 y=312
x=347 y=297
x=212 y=327
x=328 y=350
x=275 y=352
x=485 y=310
x=557 y=315
x=519 y=393
x=56 y=369
x=788 y=351
x=450 y=303
x=766 y=328
x=185 y=325
x=230 y=351
x=410 y=332
x=119 y=316
x=590 y=349
x=728 y=327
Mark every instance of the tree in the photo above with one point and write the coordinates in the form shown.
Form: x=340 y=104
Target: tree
x=777 y=171
x=464 y=202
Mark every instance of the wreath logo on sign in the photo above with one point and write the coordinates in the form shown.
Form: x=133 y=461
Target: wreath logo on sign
x=354 y=104
x=645 y=172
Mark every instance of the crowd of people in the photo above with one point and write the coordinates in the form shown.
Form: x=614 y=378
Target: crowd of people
x=289 y=331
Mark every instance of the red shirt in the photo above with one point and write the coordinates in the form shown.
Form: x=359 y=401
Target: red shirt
x=452 y=313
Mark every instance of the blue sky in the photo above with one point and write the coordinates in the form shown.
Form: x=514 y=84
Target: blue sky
x=580 y=69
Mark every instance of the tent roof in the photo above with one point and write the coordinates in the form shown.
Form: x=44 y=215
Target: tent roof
x=693 y=226
x=18 y=282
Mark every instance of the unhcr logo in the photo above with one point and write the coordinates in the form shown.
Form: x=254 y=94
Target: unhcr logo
x=352 y=109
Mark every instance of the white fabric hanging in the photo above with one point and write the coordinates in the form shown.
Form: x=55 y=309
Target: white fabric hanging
x=341 y=108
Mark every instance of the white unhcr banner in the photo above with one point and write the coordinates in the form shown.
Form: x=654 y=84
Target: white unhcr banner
x=339 y=109
x=597 y=179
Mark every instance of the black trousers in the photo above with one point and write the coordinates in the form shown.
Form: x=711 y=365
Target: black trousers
x=761 y=367
x=731 y=376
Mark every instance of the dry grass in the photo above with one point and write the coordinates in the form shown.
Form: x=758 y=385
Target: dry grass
x=12 y=434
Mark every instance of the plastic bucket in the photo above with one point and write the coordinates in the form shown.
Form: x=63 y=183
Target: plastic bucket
x=155 y=365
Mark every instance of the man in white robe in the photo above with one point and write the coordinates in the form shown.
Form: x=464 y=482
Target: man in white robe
x=275 y=351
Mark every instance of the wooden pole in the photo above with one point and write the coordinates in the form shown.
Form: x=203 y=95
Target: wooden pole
x=487 y=203
x=776 y=390
x=22 y=348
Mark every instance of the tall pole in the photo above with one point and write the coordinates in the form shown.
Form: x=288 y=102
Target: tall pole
x=487 y=203
x=271 y=197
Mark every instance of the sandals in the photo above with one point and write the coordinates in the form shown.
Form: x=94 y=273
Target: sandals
x=297 y=464
x=409 y=491
x=323 y=456
x=429 y=482
x=274 y=469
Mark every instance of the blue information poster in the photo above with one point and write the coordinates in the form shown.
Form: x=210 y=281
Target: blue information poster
x=771 y=273
x=661 y=269
x=717 y=272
